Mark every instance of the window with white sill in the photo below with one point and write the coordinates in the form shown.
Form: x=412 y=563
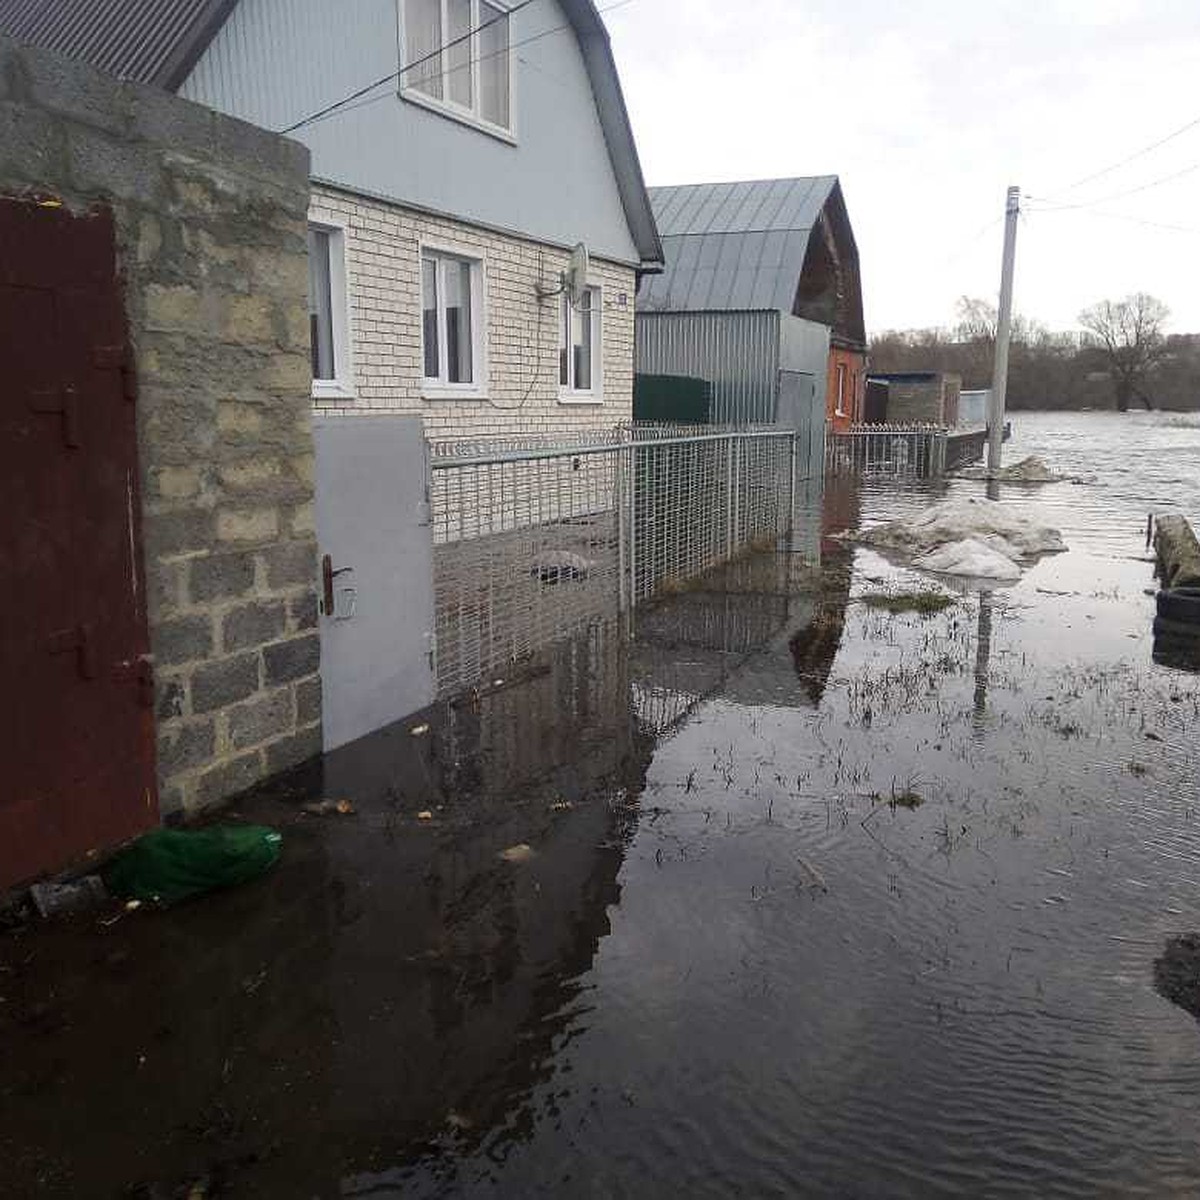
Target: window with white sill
x=579 y=348
x=327 y=321
x=455 y=55
x=451 y=321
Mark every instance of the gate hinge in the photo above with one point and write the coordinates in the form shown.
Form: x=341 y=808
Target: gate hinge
x=118 y=358
x=63 y=401
x=79 y=639
x=141 y=671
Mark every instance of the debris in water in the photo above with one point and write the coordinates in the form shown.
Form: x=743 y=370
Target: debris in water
x=75 y=895
x=165 y=866
x=926 y=603
x=419 y=730
x=425 y=815
x=560 y=806
x=326 y=808
x=1177 y=972
x=520 y=853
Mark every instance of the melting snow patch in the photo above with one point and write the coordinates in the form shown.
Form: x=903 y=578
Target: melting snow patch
x=1028 y=470
x=970 y=536
x=969 y=557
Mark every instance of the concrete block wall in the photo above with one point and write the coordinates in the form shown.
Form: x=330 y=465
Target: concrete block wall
x=383 y=264
x=915 y=402
x=211 y=216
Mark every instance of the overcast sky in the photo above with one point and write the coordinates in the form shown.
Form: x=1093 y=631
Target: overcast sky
x=927 y=110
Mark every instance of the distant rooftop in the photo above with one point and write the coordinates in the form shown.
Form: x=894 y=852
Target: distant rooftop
x=750 y=246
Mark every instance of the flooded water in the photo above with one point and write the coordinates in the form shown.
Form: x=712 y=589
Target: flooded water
x=816 y=901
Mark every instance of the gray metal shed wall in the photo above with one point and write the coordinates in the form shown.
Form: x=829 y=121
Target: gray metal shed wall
x=737 y=352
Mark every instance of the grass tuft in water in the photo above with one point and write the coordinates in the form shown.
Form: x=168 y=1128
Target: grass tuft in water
x=925 y=603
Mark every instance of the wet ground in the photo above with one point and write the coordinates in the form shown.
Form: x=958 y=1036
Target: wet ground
x=818 y=900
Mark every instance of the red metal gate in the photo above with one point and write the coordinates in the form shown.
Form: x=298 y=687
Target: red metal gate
x=77 y=730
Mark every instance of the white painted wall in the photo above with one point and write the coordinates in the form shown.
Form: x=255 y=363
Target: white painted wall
x=277 y=61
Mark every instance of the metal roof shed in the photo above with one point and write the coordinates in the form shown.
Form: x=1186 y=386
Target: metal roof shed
x=761 y=278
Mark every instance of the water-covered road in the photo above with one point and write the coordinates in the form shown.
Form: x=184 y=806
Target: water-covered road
x=817 y=901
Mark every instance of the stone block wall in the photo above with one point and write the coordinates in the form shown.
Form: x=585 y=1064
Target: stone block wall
x=211 y=216
x=383 y=272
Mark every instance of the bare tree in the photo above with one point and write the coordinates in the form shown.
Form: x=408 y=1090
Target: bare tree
x=1130 y=333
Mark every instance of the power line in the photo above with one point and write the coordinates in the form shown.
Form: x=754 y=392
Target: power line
x=967 y=243
x=1128 y=158
x=1123 y=217
x=1145 y=187
x=370 y=87
x=339 y=105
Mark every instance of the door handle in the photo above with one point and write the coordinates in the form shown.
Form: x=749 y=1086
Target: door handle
x=328 y=575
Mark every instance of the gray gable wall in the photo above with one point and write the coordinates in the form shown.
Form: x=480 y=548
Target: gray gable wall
x=276 y=61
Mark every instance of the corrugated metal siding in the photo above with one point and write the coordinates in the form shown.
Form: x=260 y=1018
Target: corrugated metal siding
x=134 y=39
x=737 y=352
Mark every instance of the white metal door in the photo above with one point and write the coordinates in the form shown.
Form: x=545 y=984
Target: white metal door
x=376 y=586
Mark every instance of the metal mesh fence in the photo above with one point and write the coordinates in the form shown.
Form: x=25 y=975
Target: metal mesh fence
x=912 y=451
x=533 y=543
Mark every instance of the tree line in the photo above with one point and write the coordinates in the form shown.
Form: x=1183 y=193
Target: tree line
x=1120 y=358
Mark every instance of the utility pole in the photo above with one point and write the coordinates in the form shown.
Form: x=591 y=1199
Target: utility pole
x=1012 y=210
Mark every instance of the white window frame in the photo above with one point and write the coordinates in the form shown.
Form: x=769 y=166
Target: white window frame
x=448 y=108
x=438 y=389
x=840 y=402
x=595 y=394
x=341 y=386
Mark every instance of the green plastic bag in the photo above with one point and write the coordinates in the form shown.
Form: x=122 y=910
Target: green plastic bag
x=165 y=866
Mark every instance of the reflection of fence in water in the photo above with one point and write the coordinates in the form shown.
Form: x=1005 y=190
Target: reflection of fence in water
x=532 y=544
x=912 y=451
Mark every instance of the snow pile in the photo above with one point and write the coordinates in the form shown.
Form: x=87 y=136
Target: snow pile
x=970 y=557
x=970 y=536
x=1028 y=470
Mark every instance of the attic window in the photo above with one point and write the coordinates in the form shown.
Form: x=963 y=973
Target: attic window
x=454 y=56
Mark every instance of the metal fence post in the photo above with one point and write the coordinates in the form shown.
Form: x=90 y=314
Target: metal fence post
x=633 y=465
x=621 y=482
x=792 y=483
x=729 y=497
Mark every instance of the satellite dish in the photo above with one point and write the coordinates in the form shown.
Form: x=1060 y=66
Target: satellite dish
x=575 y=279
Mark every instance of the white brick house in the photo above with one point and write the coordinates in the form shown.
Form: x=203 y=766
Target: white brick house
x=460 y=149
x=519 y=355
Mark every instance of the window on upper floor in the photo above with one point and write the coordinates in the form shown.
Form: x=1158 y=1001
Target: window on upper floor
x=579 y=348
x=454 y=55
x=451 y=321
x=328 y=327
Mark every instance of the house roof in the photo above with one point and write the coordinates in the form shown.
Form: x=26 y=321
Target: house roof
x=732 y=246
x=148 y=41
x=160 y=41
